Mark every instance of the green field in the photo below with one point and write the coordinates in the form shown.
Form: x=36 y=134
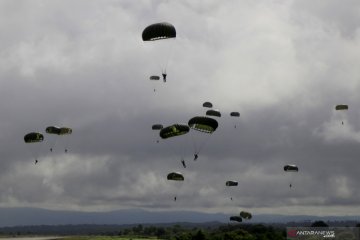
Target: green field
x=107 y=238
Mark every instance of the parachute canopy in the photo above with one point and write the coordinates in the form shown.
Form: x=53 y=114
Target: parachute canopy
x=236 y=218
x=235 y=114
x=158 y=31
x=155 y=78
x=342 y=107
x=291 y=168
x=65 y=131
x=175 y=176
x=245 y=215
x=207 y=104
x=203 y=124
x=231 y=183
x=33 y=137
x=174 y=130
x=58 y=131
x=53 y=130
x=213 y=112
x=157 y=127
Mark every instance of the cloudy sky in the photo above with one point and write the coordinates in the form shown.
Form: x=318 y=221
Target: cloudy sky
x=284 y=65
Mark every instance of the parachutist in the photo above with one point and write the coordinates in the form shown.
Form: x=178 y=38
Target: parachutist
x=36 y=161
x=290 y=185
x=231 y=199
x=183 y=163
x=342 y=122
x=195 y=157
x=50 y=149
x=66 y=150
x=164 y=76
x=175 y=198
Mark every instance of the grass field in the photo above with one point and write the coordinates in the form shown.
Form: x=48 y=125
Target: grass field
x=106 y=238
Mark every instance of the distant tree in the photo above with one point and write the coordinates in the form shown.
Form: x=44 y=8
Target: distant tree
x=160 y=232
x=319 y=224
x=199 y=235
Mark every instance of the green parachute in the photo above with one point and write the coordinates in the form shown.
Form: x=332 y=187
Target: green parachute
x=174 y=131
x=160 y=31
x=33 y=139
x=291 y=168
x=207 y=104
x=59 y=131
x=342 y=107
x=235 y=115
x=203 y=124
x=213 y=112
x=157 y=127
x=231 y=183
x=175 y=176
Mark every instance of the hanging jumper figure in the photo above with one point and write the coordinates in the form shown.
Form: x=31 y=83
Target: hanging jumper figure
x=164 y=76
x=175 y=199
x=36 y=161
x=290 y=185
x=195 y=156
x=183 y=163
x=51 y=149
x=66 y=150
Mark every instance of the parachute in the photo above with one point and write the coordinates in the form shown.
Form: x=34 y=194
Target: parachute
x=236 y=219
x=291 y=168
x=178 y=177
x=53 y=130
x=207 y=104
x=235 y=114
x=33 y=137
x=157 y=127
x=213 y=112
x=231 y=183
x=245 y=215
x=60 y=131
x=154 y=80
x=158 y=31
x=342 y=107
x=65 y=131
x=203 y=124
x=175 y=176
x=174 y=130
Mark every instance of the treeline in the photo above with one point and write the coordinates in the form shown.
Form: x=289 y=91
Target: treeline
x=225 y=232
x=185 y=231
x=171 y=232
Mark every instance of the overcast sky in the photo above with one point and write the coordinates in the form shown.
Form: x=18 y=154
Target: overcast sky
x=283 y=64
